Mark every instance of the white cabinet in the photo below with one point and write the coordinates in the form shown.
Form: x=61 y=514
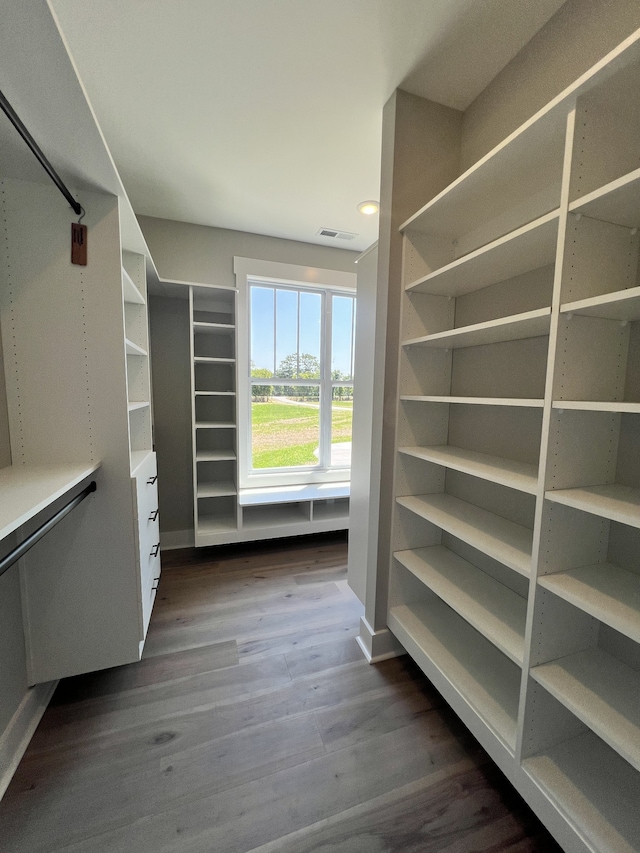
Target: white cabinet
x=514 y=580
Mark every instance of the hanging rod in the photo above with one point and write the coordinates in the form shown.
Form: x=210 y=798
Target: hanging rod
x=31 y=540
x=35 y=148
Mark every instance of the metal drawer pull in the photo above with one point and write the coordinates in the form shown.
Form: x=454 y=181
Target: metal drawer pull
x=155 y=580
x=154 y=515
x=152 y=480
x=154 y=550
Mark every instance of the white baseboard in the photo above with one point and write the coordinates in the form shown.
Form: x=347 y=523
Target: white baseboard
x=378 y=645
x=15 y=738
x=172 y=539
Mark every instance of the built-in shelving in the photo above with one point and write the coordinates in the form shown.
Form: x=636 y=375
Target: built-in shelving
x=504 y=540
x=216 y=490
x=134 y=349
x=605 y=591
x=215 y=456
x=207 y=360
x=130 y=290
x=461 y=661
x=516 y=475
x=518 y=448
x=491 y=608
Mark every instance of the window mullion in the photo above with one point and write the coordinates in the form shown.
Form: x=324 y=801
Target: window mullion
x=326 y=388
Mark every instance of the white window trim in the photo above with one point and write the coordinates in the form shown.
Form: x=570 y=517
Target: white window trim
x=273 y=272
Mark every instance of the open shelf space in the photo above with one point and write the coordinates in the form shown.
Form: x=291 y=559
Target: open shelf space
x=617 y=202
x=605 y=591
x=516 y=475
x=491 y=608
x=596 y=406
x=216 y=489
x=475 y=401
x=213 y=328
x=332 y=508
x=526 y=166
x=133 y=349
x=138 y=458
x=465 y=667
x=216 y=455
x=613 y=501
x=214 y=425
x=525 y=249
x=268 y=515
x=130 y=290
x=216 y=514
x=594 y=788
x=499 y=538
x=528 y=325
x=623 y=305
x=602 y=692
x=140 y=404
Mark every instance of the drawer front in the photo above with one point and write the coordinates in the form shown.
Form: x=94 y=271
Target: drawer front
x=147 y=530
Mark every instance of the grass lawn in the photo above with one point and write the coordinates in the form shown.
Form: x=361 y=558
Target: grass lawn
x=286 y=435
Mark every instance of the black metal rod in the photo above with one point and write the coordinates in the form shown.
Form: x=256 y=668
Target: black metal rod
x=35 y=148
x=31 y=540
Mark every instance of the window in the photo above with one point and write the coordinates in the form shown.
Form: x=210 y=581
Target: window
x=296 y=383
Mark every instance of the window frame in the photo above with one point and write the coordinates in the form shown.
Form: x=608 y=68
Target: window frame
x=273 y=274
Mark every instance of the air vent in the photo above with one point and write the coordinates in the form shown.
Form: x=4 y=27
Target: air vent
x=338 y=235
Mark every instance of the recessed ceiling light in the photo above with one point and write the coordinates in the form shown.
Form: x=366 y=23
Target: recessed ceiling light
x=369 y=207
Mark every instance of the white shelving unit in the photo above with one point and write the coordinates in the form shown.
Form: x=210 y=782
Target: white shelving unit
x=514 y=578
x=75 y=347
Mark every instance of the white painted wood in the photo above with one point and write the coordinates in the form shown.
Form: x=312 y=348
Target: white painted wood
x=214 y=328
x=206 y=359
x=134 y=349
x=529 y=325
x=619 y=503
x=478 y=401
x=524 y=249
x=515 y=475
x=487 y=605
x=215 y=455
x=130 y=290
x=603 y=590
x=623 y=305
x=594 y=788
x=617 y=202
x=602 y=692
x=596 y=406
x=505 y=541
x=332 y=508
x=462 y=664
x=216 y=490
x=141 y=404
x=27 y=490
x=215 y=425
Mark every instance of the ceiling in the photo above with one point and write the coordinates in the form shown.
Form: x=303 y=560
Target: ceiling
x=265 y=115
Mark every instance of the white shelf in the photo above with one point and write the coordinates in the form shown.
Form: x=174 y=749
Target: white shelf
x=616 y=502
x=527 y=248
x=603 y=590
x=597 y=406
x=26 y=490
x=215 y=425
x=141 y=404
x=462 y=664
x=621 y=305
x=130 y=290
x=594 y=788
x=516 y=475
x=493 y=609
x=531 y=324
x=602 y=692
x=216 y=490
x=133 y=349
x=476 y=401
x=202 y=359
x=213 y=328
x=617 y=202
x=216 y=456
x=215 y=393
x=504 y=540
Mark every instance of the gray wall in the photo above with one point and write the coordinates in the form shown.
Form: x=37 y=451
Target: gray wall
x=204 y=255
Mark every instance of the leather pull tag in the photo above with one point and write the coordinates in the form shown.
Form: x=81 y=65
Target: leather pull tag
x=78 y=244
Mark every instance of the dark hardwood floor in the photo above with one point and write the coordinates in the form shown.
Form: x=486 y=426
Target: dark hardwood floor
x=253 y=723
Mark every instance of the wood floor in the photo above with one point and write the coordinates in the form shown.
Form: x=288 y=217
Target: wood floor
x=254 y=724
